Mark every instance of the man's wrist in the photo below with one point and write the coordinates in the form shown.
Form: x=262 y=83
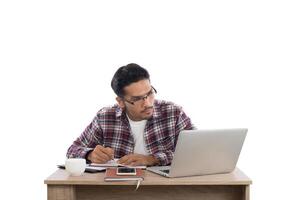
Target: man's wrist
x=152 y=160
x=87 y=156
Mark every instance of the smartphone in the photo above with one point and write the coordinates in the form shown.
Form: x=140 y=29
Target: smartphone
x=126 y=171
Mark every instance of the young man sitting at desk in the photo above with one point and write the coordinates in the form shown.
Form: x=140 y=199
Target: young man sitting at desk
x=138 y=130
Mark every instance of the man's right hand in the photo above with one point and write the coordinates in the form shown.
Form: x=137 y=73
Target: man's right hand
x=101 y=154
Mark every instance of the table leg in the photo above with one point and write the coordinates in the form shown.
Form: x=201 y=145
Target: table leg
x=61 y=192
x=247 y=192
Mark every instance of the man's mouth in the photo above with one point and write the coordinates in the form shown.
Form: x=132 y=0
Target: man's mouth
x=148 y=110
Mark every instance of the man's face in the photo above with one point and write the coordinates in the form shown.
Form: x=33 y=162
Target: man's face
x=138 y=100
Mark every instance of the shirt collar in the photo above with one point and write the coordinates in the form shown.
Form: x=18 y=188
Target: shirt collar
x=156 y=111
x=119 y=111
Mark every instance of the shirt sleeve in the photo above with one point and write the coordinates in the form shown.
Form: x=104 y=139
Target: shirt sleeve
x=87 y=141
x=164 y=158
x=183 y=123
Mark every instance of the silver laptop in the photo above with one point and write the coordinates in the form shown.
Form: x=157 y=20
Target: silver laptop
x=202 y=152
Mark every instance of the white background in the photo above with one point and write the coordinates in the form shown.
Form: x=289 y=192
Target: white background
x=228 y=63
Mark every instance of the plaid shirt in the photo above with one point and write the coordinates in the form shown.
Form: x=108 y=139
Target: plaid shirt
x=110 y=128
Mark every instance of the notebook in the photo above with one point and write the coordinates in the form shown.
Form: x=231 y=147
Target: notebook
x=111 y=175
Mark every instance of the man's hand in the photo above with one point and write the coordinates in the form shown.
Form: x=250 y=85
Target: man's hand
x=138 y=159
x=101 y=154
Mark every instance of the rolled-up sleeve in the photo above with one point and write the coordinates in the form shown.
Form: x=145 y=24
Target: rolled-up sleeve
x=164 y=158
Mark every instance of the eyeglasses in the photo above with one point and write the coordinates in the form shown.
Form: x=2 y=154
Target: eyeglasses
x=139 y=100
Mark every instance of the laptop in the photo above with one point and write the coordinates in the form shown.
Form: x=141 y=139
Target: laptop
x=203 y=152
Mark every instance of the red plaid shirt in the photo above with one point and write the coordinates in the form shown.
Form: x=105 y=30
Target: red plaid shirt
x=110 y=128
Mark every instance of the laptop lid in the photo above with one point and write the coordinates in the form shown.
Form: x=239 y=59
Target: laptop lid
x=201 y=152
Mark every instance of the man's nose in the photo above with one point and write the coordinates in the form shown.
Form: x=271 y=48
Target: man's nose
x=146 y=101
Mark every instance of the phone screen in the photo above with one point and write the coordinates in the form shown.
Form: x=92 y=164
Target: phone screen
x=126 y=171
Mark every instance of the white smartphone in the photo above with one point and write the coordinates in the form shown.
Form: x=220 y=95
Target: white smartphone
x=126 y=171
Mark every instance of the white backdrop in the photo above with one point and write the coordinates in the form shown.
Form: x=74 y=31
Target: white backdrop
x=228 y=63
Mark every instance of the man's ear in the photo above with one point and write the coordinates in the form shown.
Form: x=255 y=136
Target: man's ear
x=120 y=102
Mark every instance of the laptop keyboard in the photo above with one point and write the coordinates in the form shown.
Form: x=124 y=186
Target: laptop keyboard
x=165 y=171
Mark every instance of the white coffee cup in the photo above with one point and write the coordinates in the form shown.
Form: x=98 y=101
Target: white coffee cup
x=75 y=166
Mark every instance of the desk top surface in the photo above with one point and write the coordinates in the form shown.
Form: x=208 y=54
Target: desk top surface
x=237 y=177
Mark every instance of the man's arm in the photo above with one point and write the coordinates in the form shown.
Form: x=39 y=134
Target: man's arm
x=183 y=122
x=87 y=141
x=138 y=159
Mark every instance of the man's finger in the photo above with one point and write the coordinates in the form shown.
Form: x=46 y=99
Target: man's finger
x=134 y=163
x=99 y=148
x=129 y=160
x=123 y=159
x=105 y=157
x=105 y=150
x=97 y=159
x=102 y=155
x=109 y=151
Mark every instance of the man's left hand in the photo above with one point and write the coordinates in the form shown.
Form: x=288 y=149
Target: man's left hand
x=138 y=159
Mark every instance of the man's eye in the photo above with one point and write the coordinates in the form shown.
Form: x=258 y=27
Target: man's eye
x=150 y=93
x=136 y=99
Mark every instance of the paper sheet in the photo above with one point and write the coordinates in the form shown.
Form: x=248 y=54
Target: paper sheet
x=114 y=163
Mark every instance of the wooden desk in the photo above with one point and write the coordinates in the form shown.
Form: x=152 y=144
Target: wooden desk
x=233 y=186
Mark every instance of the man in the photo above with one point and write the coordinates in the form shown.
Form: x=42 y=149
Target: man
x=138 y=130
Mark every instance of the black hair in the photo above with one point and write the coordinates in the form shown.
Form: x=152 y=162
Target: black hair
x=126 y=75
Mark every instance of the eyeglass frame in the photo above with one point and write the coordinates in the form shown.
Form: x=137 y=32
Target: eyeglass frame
x=152 y=91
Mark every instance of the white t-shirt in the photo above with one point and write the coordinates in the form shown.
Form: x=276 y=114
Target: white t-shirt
x=137 y=130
